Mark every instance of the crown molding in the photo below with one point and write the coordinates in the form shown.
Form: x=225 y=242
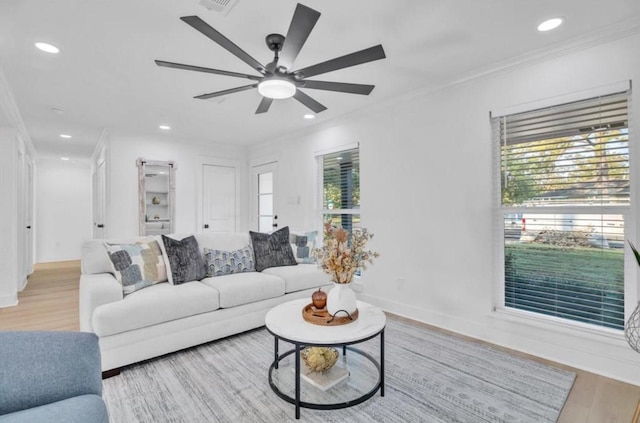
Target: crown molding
x=10 y=109
x=623 y=29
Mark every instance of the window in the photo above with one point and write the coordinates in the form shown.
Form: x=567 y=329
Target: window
x=340 y=177
x=565 y=191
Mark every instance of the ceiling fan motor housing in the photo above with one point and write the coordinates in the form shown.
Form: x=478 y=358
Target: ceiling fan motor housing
x=274 y=42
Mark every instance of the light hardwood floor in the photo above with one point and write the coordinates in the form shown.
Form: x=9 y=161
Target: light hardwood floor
x=50 y=302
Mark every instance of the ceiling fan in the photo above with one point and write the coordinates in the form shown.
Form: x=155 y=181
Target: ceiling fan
x=277 y=79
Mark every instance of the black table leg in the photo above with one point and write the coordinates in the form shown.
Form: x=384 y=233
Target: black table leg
x=344 y=350
x=297 y=381
x=382 y=363
x=275 y=349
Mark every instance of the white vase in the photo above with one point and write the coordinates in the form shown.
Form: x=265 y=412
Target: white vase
x=341 y=297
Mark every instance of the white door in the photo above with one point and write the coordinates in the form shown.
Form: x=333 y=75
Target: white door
x=218 y=198
x=266 y=220
x=99 y=201
x=28 y=212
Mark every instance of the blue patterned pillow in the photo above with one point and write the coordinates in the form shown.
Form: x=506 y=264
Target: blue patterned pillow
x=302 y=245
x=221 y=263
x=137 y=266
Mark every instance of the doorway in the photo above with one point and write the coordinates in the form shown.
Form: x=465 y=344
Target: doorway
x=99 y=193
x=263 y=181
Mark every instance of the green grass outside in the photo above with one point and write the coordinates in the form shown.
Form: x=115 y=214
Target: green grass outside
x=575 y=283
x=589 y=267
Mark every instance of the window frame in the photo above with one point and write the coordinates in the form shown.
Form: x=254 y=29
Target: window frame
x=629 y=213
x=355 y=211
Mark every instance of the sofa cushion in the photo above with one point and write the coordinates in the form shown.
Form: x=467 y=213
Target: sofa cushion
x=302 y=276
x=271 y=250
x=224 y=241
x=94 y=257
x=243 y=288
x=220 y=263
x=159 y=303
x=137 y=265
x=81 y=409
x=185 y=259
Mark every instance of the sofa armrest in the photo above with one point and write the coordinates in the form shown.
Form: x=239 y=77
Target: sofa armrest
x=96 y=290
x=39 y=368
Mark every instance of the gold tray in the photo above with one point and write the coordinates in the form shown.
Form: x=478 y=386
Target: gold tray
x=322 y=317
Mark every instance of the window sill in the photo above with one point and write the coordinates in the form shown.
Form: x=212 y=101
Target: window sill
x=610 y=336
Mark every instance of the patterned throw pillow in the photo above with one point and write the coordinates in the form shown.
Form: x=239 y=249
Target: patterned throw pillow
x=272 y=250
x=221 y=263
x=137 y=266
x=302 y=245
x=185 y=261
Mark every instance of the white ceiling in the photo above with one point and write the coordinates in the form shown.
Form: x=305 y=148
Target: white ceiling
x=105 y=76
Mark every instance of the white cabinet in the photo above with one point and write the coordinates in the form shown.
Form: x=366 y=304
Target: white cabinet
x=156 y=182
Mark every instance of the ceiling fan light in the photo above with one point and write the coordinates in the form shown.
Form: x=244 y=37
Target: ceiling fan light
x=276 y=88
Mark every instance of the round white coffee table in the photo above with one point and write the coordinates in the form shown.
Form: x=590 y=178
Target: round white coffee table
x=361 y=374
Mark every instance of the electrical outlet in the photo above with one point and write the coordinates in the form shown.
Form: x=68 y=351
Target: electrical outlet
x=400 y=282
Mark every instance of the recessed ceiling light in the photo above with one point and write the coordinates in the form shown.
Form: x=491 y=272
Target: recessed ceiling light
x=164 y=127
x=309 y=116
x=550 y=24
x=65 y=136
x=49 y=48
x=64 y=158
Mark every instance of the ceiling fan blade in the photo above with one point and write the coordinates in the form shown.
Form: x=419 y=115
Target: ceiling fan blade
x=214 y=35
x=206 y=70
x=264 y=105
x=225 y=92
x=363 y=56
x=309 y=102
x=339 y=86
x=303 y=21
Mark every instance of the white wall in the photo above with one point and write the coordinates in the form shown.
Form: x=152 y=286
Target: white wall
x=122 y=180
x=427 y=195
x=9 y=279
x=63 y=208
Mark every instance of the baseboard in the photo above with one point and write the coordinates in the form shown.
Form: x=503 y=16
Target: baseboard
x=9 y=301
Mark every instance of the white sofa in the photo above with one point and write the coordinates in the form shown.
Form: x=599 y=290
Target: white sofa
x=164 y=318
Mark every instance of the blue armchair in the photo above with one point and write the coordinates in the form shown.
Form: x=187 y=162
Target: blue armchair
x=50 y=377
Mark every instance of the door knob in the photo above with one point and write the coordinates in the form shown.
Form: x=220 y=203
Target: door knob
x=100 y=225
x=206 y=226
x=29 y=227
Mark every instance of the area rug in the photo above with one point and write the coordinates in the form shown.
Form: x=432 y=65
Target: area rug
x=430 y=377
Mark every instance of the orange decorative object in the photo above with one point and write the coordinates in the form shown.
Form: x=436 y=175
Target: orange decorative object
x=319 y=299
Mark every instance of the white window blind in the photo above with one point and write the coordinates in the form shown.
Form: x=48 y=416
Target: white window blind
x=576 y=154
x=565 y=186
x=340 y=181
